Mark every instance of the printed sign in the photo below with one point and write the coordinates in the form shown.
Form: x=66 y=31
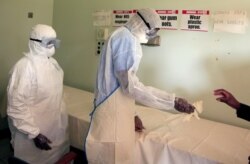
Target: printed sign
x=120 y=17
x=233 y=21
x=168 y=19
x=195 y=20
x=102 y=18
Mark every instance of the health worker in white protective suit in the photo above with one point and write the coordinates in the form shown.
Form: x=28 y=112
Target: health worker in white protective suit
x=111 y=136
x=36 y=110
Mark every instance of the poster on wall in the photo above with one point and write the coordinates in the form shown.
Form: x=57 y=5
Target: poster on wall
x=120 y=17
x=169 y=19
x=233 y=21
x=195 y=20
x=101 y=18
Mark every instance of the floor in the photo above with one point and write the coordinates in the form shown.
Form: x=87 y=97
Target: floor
x=5 y=147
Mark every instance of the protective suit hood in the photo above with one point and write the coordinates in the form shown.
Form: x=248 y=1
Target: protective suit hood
x=41 y=32
x=139 y=27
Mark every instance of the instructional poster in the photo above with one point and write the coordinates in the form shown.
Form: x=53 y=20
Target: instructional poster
x=195 y=20
x=102 y=18
x=234 y=21
x=120 y=17
x=169 y=19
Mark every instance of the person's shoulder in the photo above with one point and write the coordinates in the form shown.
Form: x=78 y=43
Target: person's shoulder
x=22 y=64
x=24 y=61
x=123 y=34
x=53 y=60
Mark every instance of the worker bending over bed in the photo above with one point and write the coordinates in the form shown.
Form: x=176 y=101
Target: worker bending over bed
x=111 y=136
x=37 y=116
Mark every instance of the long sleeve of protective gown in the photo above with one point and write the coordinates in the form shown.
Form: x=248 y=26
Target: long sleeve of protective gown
x=126 y=61
x=145 y=95
x=20 y=96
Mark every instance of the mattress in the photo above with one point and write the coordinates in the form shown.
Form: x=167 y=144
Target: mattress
x=167 y=137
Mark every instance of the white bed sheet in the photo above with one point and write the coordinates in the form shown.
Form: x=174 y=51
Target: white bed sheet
x=167 y=138
x=79 y=104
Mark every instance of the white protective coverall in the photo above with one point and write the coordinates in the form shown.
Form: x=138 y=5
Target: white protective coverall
x=35 y=102
x=111 y=136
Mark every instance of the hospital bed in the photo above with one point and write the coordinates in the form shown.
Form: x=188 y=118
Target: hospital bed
x=168 y=138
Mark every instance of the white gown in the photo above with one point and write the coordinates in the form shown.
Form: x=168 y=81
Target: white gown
x=35 y=105
x=112 y=131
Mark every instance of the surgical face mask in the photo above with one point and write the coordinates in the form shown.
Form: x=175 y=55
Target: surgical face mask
x=48 y=42
x=50 y=52
x=142 y=37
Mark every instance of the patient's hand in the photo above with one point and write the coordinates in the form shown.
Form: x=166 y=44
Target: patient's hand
x=226 y=97
x=138 y=124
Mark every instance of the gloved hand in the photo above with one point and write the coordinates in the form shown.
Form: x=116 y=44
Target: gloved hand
x=138 y=124
x=42 y=142
x=182 y=105
x=226 y=97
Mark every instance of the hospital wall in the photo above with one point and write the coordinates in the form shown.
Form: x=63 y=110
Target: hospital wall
x=14 y=32
x=190 y=64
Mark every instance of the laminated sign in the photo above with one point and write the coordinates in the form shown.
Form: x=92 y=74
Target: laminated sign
x=169 y=19
x=195 y=20
x=120 y=17
x=233 y=21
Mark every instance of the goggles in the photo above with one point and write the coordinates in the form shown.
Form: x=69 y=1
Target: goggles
x=152 y=33
x=48 y=42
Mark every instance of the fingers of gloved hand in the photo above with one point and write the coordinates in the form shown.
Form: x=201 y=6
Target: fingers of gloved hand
x=48 y=141
x=182 y=105
x=46 y=146
x=185 y=109
x=190 y=109
x=38 y=145
x=139 y=128
x=43 y=146
x=138 y=124
x=42 y=142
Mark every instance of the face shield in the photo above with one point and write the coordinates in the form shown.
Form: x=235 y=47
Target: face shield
x=48 y=42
